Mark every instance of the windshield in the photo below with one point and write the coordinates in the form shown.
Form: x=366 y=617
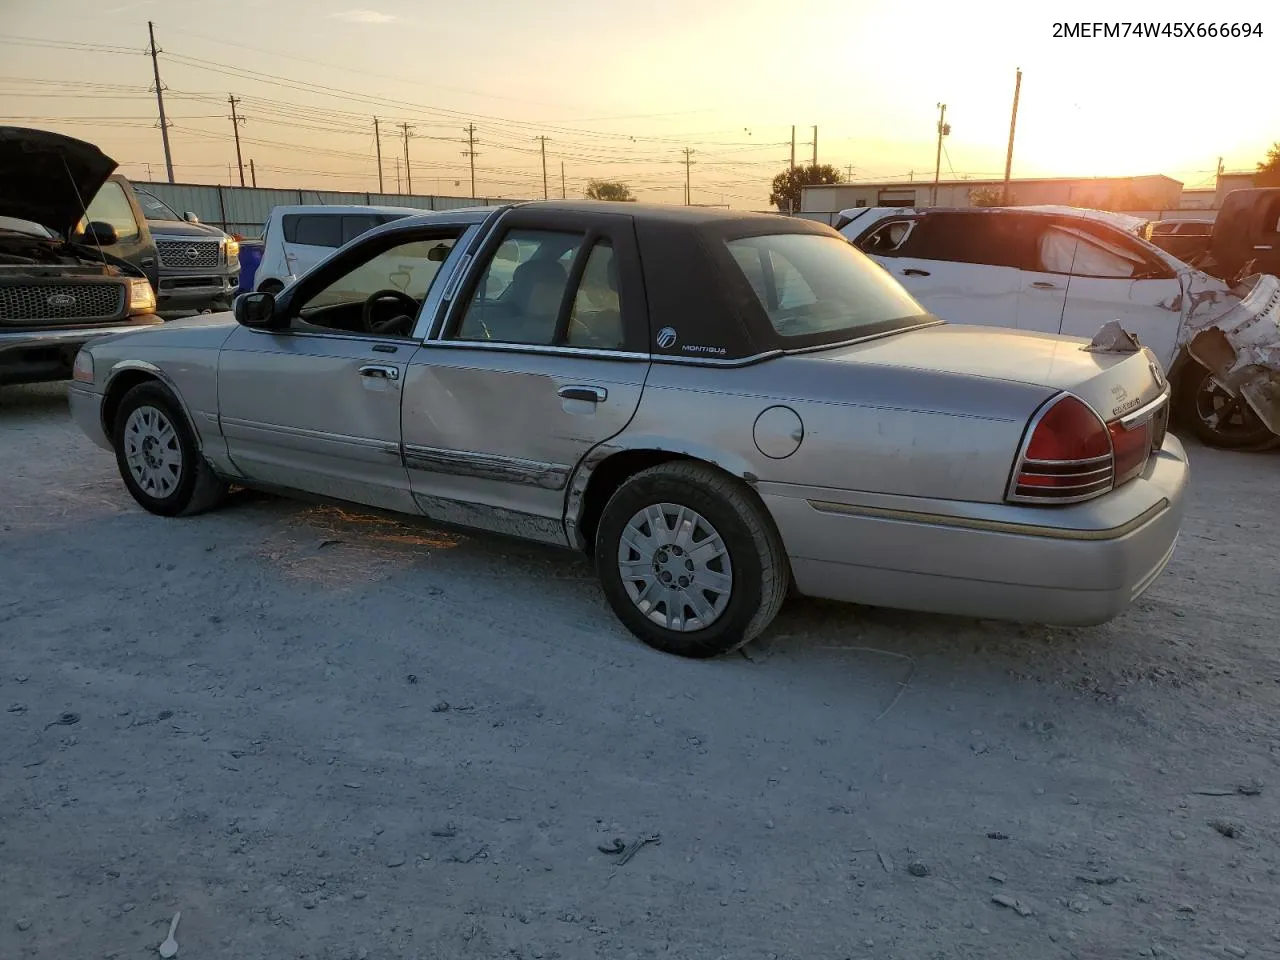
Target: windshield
x=153 y=208
x=812 y=285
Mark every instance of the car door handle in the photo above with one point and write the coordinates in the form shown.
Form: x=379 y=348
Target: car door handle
x=589 y=394
x=379 y=371
x=915 y=272
x=1044 y=285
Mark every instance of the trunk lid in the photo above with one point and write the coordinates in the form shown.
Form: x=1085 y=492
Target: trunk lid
x=1113 y=383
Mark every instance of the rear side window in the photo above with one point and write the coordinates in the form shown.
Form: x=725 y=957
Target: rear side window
x=817 y=288
x=313 y=229
x=887 y=238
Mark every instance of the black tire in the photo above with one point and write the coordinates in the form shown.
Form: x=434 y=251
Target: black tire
x=1199 y=401
x=272 y=287
x=198 y=488
x=760 y=573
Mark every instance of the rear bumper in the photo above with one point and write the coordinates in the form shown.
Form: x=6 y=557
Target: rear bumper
x=1081 y=564
x=34 y=356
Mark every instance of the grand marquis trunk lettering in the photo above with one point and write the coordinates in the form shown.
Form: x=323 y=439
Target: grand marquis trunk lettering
x=486 y=466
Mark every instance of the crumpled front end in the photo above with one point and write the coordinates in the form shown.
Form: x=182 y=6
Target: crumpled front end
x=1240 y=344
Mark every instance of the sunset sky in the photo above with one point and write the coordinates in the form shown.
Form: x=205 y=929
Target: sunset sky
x=620 y=89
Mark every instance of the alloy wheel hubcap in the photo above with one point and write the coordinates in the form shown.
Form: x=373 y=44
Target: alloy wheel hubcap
x=675 y=567
x=152 y=451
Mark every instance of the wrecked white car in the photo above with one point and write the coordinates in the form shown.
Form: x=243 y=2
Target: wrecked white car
x=1071 y=271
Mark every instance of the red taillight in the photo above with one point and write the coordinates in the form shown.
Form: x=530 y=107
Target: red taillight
x=1067 y=457
x=1071 y=455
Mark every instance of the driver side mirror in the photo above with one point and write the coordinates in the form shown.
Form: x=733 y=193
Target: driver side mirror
x=190 y=217
x=256 y=310
x=100 y=234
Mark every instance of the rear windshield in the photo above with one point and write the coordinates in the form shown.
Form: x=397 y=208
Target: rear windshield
x=817 y=288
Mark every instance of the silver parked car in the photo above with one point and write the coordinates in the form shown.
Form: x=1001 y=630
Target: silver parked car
x=717 y=407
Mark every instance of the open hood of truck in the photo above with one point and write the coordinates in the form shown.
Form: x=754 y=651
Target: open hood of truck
x=48 y=178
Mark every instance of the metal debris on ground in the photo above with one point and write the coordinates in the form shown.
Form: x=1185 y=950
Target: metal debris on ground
x=64 y=720
x=1231 y=831
x=918 y=868
x=625 y=851
x=1013 y=903
x=169 y=947
x=885 y=862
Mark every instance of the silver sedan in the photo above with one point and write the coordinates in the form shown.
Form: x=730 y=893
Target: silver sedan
x=719 y=408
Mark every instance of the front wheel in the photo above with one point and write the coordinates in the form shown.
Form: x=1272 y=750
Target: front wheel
x=690 y=560
x=1216 y=418
x=158 y=457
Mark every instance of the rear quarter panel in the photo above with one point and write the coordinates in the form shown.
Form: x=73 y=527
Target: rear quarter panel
x=911 y=432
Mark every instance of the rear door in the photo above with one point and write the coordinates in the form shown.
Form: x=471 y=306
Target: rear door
x=541 y=355
x=962 y=267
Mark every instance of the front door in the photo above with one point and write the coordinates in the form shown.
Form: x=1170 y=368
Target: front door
x=542 y=356
x=1110 y=277
x=316 y=406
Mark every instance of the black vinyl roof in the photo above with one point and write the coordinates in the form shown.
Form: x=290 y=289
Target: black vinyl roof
x=655 y=212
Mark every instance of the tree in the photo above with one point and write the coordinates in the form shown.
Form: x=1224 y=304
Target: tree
x=989 y=197
x=609 y=190
x=785 y=191
x=1269 y=171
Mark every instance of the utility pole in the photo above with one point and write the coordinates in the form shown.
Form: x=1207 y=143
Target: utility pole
x=848 y=171
x=688 y=186
x=793 y=146
x=943 y=129
x=397 y=175
x=377 y=142
x=1013 y=124
x=471 y=155
x=543 y=141
x=253 y=174
x=563 y=195
x=408 y=172
x=815 y=146
x=235 y=126
x=164 y=124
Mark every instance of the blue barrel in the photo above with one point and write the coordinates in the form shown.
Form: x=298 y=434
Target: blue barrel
x=250 y=257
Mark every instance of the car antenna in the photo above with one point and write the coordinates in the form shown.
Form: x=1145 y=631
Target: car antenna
x=84 y=210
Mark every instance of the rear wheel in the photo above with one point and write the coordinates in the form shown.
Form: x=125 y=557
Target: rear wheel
x=1215 y=417
x=689 y=560
x=158 y=457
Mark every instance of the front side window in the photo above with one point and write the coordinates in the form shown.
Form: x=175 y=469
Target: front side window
x=110 y=205
x=813 y=286
x=520 y=294
x=389 y=286
x=1068 y=252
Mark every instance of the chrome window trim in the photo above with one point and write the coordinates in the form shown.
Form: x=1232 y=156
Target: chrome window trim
x=1147 y=411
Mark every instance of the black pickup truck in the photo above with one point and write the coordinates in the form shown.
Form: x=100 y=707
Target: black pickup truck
x=66 y=279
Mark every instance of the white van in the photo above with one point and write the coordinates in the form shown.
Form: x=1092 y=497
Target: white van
x=297 y=238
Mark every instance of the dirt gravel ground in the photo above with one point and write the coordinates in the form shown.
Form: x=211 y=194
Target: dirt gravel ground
x=319 y=734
